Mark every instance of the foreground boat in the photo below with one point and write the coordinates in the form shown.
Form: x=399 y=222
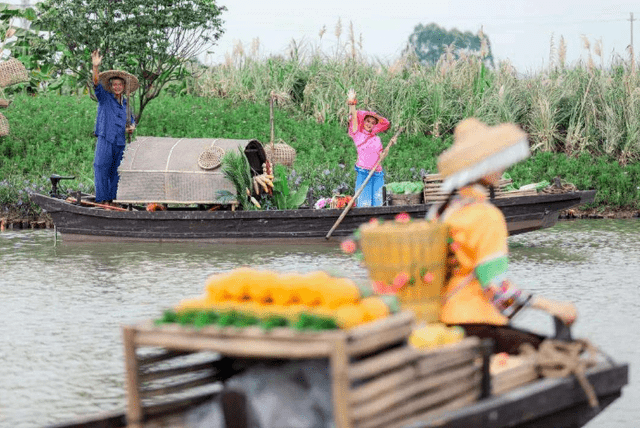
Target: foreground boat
x=79 y=222
x=540 y=403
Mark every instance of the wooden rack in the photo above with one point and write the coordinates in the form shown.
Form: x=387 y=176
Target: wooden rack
x=378 y=380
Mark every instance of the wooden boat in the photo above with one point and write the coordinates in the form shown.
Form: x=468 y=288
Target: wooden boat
x=80 y=222
x=546 y=403
x=537 y=402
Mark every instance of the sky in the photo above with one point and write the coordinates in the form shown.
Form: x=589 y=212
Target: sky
x=520 y=31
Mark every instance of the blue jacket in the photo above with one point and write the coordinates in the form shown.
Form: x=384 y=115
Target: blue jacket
x=111 y=119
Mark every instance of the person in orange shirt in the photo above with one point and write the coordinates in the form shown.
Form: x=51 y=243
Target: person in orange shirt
x=479 y=296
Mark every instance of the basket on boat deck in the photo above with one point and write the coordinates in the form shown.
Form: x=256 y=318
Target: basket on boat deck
x=433 y=182
x=409 y=259
x=280 y=154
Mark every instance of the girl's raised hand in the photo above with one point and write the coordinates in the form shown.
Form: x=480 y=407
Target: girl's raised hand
x=351 y=96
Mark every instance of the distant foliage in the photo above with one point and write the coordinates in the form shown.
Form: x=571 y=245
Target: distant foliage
x=430 y=42
x=155 y=40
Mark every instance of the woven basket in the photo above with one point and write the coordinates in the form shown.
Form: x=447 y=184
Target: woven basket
x=4 y=126
x=416 y=250
x=12 y=71
x=406 y=199
x=280 y=154
x=211 y=158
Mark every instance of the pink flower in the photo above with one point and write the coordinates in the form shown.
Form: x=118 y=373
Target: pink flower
x=455 y=246
x=400 y=280
x=403 y=218
x=348 y=246
x=427 y=277
x=374 y=220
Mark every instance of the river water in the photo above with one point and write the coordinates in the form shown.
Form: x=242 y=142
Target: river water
x=62 y=306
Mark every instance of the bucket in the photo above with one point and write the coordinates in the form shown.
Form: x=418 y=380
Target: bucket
x=408 y=259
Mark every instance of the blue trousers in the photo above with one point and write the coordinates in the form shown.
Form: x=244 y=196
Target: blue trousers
x=371 y=195
x=105 y=164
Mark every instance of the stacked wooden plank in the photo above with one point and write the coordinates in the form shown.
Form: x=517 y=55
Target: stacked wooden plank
x=378 y=380
x=510 y=372
x=433 y=182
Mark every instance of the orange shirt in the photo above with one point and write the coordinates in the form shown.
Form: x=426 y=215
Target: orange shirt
x=478 y=232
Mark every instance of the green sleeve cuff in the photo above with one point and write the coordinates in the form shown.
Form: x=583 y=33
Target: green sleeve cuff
x=491 y=269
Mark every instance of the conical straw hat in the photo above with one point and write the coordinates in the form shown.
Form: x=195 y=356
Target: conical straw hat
x=131 y=81
x=479 y=150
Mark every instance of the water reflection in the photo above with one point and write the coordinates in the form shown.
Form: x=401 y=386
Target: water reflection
x=63 y=305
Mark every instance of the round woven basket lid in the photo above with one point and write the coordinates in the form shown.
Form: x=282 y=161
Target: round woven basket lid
x=211 y=158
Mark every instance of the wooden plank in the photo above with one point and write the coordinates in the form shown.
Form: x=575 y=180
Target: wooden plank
x=373 y=328
x=379 y=341
x=159 y=357
x=149 y=392
x=469 y=375
x=428 y=366
x=340 y=384
x=398 y=414
x=379 y=385
x=380 y=363
x=231 y=346
x=457 y=403
x=175 y=371
x=135 y=414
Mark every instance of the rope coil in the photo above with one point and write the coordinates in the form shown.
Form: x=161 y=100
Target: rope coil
x=555 y=358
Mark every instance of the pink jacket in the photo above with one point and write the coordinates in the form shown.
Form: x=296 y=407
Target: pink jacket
x=368 y=144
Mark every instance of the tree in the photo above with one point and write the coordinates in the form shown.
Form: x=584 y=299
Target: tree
x=156 y=40
x=430 y=42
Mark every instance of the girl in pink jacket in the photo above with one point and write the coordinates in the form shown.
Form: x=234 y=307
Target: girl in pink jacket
x=363 y=127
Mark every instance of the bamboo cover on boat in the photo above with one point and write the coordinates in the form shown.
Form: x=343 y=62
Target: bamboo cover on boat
x=410 y=259
x=167 y=170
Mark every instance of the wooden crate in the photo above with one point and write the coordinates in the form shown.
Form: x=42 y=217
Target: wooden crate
x=517 y=371
x=432 y=192
x=378 y=380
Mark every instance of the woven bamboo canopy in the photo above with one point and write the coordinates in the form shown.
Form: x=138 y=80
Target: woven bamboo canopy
x=175 y=170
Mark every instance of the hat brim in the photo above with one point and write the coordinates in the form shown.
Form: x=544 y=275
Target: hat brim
x=496 y=162
x=131 y=81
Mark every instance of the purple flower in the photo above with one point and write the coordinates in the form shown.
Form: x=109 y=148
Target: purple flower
x=326 y=172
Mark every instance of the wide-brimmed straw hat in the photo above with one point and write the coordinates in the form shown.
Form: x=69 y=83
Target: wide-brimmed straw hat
x=479 y=150
x=131 y=81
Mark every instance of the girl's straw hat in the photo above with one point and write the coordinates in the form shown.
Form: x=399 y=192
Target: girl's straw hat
x=479 y=150
x=131 y=81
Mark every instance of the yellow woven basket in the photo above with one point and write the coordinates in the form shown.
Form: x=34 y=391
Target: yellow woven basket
x=410 y=260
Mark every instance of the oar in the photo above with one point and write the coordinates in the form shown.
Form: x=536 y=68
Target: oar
x=383 y=155
x=128 y=123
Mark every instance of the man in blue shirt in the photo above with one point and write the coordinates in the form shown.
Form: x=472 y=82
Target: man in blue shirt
x=111 y=125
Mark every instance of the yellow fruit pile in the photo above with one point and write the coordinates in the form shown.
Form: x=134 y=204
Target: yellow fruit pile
x=433 y=335
x=265 y=294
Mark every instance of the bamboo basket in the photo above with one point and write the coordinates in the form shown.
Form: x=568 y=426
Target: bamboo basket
x=417 y=249
x=280 y=153
x=12 y=71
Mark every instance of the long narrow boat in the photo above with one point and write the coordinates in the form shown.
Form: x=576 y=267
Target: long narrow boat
x=79 y=222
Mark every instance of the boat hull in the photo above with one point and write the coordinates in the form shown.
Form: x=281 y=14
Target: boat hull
x=545 y=403
x=77 y=222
